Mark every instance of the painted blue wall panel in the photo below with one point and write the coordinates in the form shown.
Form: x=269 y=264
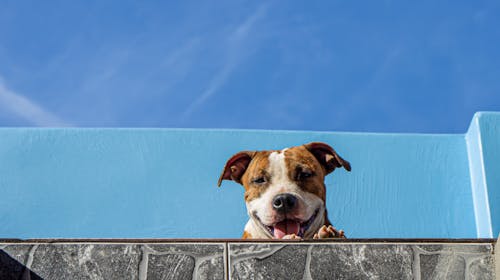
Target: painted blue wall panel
x=478 y=180
x=489 y=124
x=148 y=183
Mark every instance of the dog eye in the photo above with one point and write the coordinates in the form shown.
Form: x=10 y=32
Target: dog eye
x=260 y=180
x=304 y=175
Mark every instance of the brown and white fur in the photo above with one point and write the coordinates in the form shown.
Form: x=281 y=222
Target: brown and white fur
x=285 y=190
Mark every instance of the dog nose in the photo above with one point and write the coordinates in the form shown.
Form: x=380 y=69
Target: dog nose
x=284 y=202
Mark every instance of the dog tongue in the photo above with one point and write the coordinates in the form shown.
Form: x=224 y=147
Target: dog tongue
x=286 y=227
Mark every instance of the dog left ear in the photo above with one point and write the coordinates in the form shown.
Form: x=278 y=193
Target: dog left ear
x=327 y=156
x=236 y=166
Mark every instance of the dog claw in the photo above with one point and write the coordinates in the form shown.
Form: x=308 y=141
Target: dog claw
x=329 y=232
x=291 y=236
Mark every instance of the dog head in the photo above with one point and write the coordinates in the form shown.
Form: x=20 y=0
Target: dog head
x=285 y=190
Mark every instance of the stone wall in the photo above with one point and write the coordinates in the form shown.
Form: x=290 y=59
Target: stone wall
x=246 y=260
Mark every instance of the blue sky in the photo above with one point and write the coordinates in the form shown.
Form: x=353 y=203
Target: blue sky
x=379 y=66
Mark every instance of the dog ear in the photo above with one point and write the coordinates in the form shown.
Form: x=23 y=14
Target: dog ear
x=236 y=166
x=327 y=156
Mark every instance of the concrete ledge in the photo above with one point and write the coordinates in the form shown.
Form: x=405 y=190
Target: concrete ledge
x=219 y=259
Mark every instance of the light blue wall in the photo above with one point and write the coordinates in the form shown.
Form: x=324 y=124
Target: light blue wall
x=134 y=183
x=483 y=140
x=490 y=138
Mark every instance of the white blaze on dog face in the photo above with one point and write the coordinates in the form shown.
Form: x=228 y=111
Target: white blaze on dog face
x=292 y=171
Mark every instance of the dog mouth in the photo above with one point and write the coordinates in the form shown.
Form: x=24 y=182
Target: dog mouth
x=289 y=226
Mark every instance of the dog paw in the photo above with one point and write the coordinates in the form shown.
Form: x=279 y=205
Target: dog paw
x=329 y=232
x=291 y=236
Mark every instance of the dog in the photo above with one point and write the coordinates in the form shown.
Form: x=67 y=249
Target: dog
x=285 y=191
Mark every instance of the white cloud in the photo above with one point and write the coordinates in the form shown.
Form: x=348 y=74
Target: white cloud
x=26 y=109
x=235 y=54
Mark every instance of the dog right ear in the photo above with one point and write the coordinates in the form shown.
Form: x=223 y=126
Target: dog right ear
x=236 y=166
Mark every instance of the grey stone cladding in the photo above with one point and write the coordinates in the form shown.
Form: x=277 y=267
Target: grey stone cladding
x=361 y=261
x=247 y=260
x=81 y=261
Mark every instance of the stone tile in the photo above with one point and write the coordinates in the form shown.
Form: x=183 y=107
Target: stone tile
x=212 y=268
x=320 y=261
x=170 y=267
x=481 y=268
x=454 y=261
x=12 y=260
x=267 y=261
x=184 y=261
x=357 y=261
x=86 y=261
x=360 y=261
x=116 y=261
x=18 y=252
